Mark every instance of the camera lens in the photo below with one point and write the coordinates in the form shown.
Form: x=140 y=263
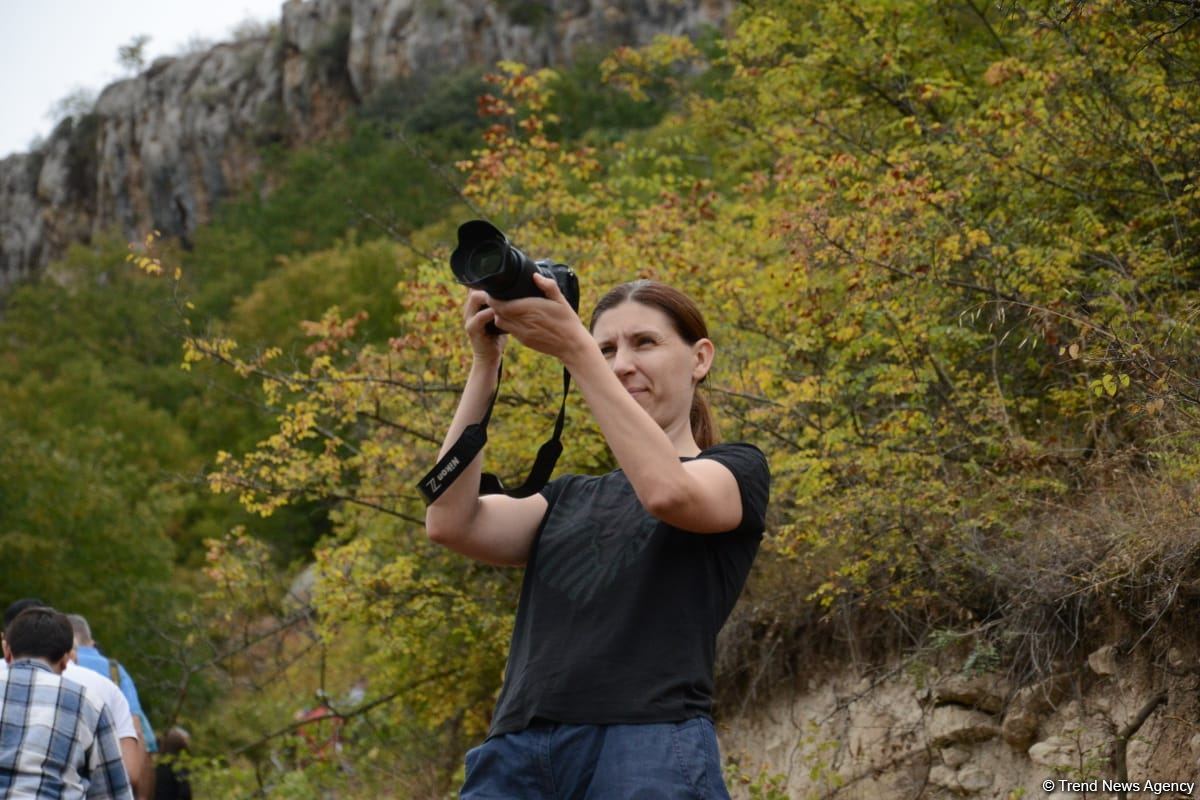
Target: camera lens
x=485 y=261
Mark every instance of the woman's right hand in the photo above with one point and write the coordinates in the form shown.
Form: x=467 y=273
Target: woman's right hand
x=487 y=346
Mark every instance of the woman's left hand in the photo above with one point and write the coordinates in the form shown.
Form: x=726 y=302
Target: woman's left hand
x=547 y=324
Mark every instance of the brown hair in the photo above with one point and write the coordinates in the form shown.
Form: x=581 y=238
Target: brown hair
x=688 y=322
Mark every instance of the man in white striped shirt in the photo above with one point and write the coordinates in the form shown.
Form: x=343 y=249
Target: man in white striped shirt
x=99 y=689
x=55 y=743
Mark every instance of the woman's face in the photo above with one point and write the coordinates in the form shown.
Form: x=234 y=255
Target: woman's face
x=652 y=361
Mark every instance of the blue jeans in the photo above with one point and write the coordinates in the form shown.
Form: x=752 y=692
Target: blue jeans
x=555 y=761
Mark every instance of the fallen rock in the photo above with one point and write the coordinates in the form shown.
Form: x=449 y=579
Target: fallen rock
x=1029 y=705
x=955 y=757
x=985 y=692
x=1104 y=660
x=1056 y=752
x=973 y=779
x=1020 y=727
x=944 y=778
x=951 y=725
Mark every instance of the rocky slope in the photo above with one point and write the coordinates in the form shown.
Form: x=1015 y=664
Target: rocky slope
x=159 y=150
x=909 y=732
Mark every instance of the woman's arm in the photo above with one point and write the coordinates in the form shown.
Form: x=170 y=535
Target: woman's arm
x=700 y=496
x=495 y=529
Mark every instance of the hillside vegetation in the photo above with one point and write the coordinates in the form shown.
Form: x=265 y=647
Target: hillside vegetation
x=950 y=254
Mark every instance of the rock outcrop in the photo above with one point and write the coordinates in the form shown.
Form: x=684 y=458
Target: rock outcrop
x=948 y=736
x=161 y=149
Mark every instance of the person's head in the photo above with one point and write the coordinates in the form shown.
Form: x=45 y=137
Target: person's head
x=176 y=740
x=656 y=341
x=83 y=631
x=40 y=633
x=17 y=606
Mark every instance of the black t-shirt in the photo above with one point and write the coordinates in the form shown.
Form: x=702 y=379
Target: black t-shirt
x=619 y=612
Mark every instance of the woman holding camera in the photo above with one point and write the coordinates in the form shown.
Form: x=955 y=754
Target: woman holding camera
x=629 y=575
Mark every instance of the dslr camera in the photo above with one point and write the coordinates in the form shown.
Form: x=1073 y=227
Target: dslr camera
x=484 y=259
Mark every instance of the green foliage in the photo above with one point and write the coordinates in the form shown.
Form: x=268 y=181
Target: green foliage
x=420 y=104
x=763 y=786
x=330 y=58
x=82 y=525
x=132 y=55
x=70 y=316
x=584 y=105
x=530 y=13
x=113 y=534
x=76 y=103
x=368 y=180
x=83 y=153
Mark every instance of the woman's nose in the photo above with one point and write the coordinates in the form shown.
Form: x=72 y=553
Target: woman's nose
x=622 y=363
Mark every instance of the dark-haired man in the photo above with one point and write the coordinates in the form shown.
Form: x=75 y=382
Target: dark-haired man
x=55 y=742
x=103 y=691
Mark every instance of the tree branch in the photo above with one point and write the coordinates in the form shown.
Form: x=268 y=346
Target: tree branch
x=344 y=715
x=1121 y=743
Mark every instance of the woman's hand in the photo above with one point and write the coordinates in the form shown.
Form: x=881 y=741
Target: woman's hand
x=487 y=346
x=546 y=324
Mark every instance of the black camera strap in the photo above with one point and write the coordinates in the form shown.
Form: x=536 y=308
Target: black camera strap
x=471 y=442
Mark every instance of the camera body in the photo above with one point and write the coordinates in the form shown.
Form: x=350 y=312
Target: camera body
x=484 y=259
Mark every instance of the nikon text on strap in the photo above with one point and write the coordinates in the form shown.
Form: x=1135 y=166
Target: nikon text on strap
x=471 y=442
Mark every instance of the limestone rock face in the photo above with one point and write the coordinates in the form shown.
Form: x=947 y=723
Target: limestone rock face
x=391 y=38
x=877 y=738
x=161 y=149
x=22 y=232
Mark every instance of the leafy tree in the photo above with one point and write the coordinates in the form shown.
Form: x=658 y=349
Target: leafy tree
x=948 y=255
x=132 y=55
x=76 y=103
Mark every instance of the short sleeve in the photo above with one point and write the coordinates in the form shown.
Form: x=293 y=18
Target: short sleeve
x=753 y=476
x=554 y=489
x=122 y=719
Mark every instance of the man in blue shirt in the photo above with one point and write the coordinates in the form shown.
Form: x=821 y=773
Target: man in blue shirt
x=56 y=743
x=90 y=657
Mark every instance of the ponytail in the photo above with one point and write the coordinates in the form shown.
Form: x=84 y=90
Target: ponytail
x=704 y=429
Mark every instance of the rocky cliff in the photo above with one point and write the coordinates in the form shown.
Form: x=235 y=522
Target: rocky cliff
x=159 y=150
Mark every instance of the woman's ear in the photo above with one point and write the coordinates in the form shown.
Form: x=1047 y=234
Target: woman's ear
x=702 y=351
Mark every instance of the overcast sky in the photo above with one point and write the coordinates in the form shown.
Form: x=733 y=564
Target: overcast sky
x=49 y=48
